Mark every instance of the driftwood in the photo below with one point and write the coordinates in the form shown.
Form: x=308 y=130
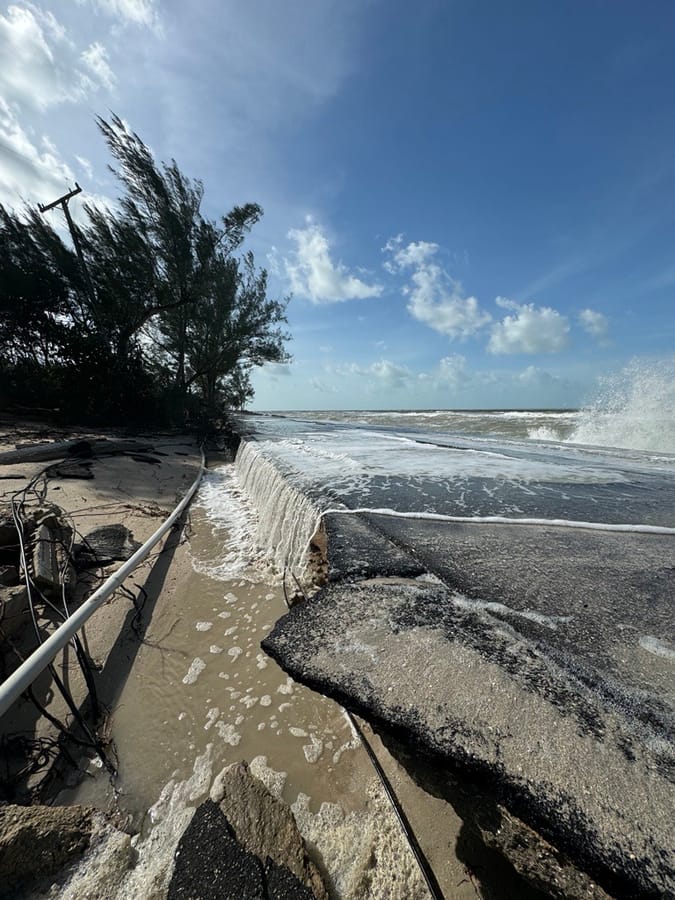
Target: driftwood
x=71 y=450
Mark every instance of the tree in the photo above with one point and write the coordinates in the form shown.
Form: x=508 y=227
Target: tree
x=168 y=308
x=162 y=212
x=232 y=329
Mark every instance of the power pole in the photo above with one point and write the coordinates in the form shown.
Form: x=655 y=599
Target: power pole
x=63 y=203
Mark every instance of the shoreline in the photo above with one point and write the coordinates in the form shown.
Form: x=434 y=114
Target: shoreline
x=378 y=572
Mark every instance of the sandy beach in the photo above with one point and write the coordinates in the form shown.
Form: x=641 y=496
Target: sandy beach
x=135 y=493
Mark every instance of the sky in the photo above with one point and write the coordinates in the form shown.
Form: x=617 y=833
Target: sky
x=469 y=204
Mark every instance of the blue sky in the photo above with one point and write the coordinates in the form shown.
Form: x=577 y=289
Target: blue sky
x=471 y=203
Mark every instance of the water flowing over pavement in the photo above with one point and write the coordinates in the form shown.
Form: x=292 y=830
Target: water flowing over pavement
x=202 y=695
x=534 y=658
x=498 y=608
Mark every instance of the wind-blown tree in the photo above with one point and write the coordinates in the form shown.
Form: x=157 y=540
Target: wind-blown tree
x=40 y=309
x=162 y=211
x=232 y=330
x=167 y=307
x=172 y=269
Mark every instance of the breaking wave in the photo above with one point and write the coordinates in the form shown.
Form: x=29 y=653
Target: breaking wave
x=634 y=408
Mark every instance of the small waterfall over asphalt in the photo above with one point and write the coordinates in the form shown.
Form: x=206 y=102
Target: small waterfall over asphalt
x=287 y=518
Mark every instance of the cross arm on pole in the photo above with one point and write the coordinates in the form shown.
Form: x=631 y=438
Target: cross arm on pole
x=64 y=200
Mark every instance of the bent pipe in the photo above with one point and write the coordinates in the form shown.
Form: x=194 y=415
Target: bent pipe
x=23 y=677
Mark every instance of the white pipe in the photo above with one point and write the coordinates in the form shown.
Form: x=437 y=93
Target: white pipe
x=28 y=671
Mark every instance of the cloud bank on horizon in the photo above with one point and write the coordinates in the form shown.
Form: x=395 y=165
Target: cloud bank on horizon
x=488 y=227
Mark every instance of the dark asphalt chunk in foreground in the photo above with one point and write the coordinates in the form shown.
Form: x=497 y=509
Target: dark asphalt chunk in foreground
x=539 y=666
x=484 y=700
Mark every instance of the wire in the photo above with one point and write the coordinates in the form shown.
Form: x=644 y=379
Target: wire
x=18 y=512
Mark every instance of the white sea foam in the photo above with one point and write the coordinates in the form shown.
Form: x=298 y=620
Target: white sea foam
x=228 y=733
x=117 y=867
x=505 y=520
x=501 y=609
x=211 y=717
x=233 y=521
x=274 y=781
x=287 y=687
x=287 y=515
x=313 y=750
x=657 y=647
x=197 y=666
x=349 y=842
x=446 y=461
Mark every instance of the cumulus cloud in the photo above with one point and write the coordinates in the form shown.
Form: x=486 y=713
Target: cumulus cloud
x=533 y=376
x=451 y=371
x=434 y=298
x=531 y=329
x=32 y=170
x=41 y=66
x=416 y=253
x=384 y=372
x=593 y=322
x=313 y=273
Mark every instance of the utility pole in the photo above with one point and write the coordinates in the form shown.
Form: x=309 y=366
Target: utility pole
x=63 y=203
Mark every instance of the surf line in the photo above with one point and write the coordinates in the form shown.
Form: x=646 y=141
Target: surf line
x=499 y=520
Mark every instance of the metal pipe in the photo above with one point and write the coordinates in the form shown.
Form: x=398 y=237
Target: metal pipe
x=28 y=671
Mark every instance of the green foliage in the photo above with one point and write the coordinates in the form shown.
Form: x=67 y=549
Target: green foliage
x=168 y=319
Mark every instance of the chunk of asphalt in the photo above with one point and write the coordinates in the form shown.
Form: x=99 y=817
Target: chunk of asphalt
x=492 y=706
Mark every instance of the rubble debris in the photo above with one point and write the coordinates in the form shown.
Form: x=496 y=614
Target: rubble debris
x=104 y=545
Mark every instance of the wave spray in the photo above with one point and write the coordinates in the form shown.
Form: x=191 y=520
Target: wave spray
x=634 y=408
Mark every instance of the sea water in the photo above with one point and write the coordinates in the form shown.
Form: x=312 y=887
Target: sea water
x=631 y=409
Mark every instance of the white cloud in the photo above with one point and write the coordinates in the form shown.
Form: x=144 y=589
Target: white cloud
x=416 y=253
x=133 y=12
x=274 y=370
x=435 y=299
x=530 y=330
x=390 y=373
x=32 y=170
x=384 y=372
x=593 y=322
x=313 y=274
x=40 y=64
x=533 y=376
x=451 y=372
x=318 y=385
x=95 y=59
x=29 y=170
x=86 y=166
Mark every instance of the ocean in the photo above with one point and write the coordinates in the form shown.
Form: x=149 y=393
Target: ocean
x=632 y=409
